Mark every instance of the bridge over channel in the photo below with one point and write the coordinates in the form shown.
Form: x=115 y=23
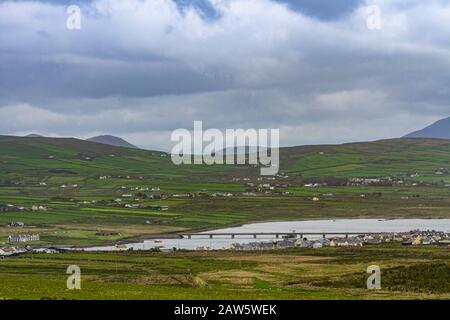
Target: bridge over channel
x=277 y=235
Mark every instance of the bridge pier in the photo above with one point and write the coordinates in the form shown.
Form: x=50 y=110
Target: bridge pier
x=254 y=236
x=210 y=236
x=323 y=236
x=189 y=236
x=232 y=236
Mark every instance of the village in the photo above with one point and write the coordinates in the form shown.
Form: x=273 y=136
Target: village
x=411 y=238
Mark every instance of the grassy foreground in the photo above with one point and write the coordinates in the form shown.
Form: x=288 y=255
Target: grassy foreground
x=327 y=273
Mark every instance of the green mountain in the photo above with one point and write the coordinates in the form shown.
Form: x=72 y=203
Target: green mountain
x=37 y=155
x=401 y=156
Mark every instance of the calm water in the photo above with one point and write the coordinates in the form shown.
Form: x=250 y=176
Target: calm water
x=327 y=226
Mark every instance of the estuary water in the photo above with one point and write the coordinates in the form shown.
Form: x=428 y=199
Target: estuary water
x=320 y=226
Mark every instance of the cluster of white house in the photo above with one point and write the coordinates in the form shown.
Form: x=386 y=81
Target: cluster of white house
x=407 y=238
x=252 y=190
x=16 y=224
x=23 y=237
x=12 y=207
x=9 y=251
x=15 y=250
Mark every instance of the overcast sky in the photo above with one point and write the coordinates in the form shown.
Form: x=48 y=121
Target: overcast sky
x=142 y=68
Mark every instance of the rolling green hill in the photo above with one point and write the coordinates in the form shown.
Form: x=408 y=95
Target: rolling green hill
x=370 y=159
x=79 y=182
x=385 y=157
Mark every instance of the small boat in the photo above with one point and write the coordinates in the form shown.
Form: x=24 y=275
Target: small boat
x=291 y=235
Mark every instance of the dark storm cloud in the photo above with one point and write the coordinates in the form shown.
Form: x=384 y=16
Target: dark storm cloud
x=143 y=68
x=323 y=9
x=39 y=81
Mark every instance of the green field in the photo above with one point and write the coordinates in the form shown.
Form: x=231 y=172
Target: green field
x=55 y=173
x=328 y=273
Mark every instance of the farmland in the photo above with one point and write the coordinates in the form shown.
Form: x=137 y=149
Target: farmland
x=81 y=185
x=78 y=193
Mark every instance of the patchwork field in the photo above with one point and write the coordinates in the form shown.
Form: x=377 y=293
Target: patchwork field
x=79 y=193
x=88 y=188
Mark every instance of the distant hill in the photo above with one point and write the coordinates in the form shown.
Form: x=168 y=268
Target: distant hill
x=112 y=141
x=33 y=135
x=71 y=145
x=440 y=130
